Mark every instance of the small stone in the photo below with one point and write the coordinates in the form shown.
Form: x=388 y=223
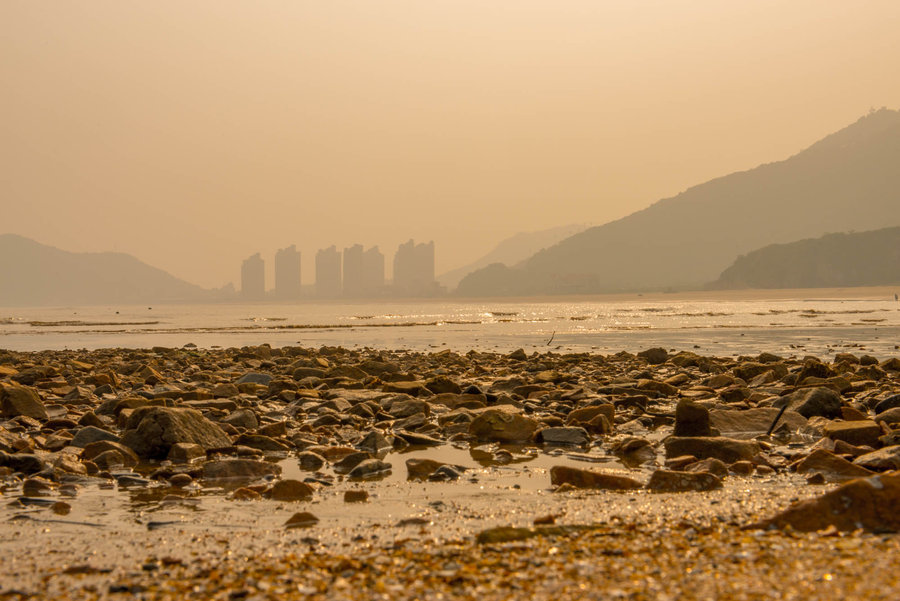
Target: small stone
x=245 y=494
x=310 y=461
x=502 y=425
x=832 y=467
x=863 y=432
x=569 y=435
x=370 y=469
x=887 y=458
x=185 y=452
x=304 y=519
x=181 y=480
x=742 y=468
x=356 y=496
x=728 y=450
x=290 y=490
x=239 y=468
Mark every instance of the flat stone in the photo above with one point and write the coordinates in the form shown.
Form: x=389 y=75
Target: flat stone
x=856 y=433
x=670 y=481
x=370 y=469
x=727 y=450
x=560 y=474
x=834 y=468
x=89 y=434
x=754 y=422
x=887 y=458
x=571 y=435
x=291 y=490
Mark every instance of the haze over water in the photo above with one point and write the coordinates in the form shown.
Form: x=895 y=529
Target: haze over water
x=811 y=325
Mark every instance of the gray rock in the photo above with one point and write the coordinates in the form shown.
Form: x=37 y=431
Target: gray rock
x=242 y=418
x=369 y=469
x=89 y=434
x=810 y=402
x=891 y=402
x=571 y=435
x=254 y=378
x=152 y=431
x=18 y=400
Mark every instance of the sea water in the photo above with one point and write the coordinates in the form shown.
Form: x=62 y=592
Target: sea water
x=792 y=327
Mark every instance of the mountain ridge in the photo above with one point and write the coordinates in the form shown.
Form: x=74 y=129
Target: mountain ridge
x=848 y=180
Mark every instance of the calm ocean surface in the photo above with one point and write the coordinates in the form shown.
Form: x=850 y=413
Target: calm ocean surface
x=788 y=327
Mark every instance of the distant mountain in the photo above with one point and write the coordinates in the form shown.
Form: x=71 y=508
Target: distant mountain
x=834 y=260
x=512 y=250
x=850 y=180
x=35 y=274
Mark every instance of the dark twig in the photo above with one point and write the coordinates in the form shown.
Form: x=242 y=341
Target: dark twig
x=777 y=417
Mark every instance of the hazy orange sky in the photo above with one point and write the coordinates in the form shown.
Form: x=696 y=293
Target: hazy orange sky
x=193 y=134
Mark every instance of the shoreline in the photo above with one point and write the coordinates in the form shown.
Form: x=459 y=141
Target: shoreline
x=426 y=473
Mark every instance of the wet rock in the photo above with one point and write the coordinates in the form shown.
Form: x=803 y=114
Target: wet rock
x=890 y=402
x=304 y=519
x=881 y=460
x=866 y=503
x=421 y=469
x=185 y=452
x=262 y=443
x=21 y=462
x=349 y=461
x=95 y=449
x=753 y=422
x=560 y=475
x=181 y=480
x=654 y=356
x=669 y=481
x=856 y=432
x=374 y=442
x=811 y=402
x=153 y=430
x=442 y=384
x=834 y=468
x=290 y=490
x=890 y=416
x=308 y=460
x=21 y=400
x=691 y=419
x=572 y=436
x=245 y=494
x=502 y=425
x=37 y=487
x=356 y=496
x=254 y=378
x=69 y=463
x=742 y=468
x=370 y=469
x=407 y=408
x=634 y=451
x=727 y=450
x=584 y=415
x=90 y=434
x=518 y=355
x=712 y=465
x=414 y=388
x=109 y=459
x=242 y=418
x=239 y=468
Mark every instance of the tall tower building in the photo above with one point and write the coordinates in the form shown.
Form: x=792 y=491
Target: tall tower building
x=253 y=278
x=414 y=269
x=353 y=271
x=373 y=272
x=328 y=272
x=287 y=273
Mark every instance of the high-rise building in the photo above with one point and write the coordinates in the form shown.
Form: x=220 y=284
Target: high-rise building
x=373 y=272
x=287 y=273
x=414 y=269
x=328 y=272
x=354 y=271
x=253 y=278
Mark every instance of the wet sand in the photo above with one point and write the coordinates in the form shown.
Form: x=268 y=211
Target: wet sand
x=492 y=525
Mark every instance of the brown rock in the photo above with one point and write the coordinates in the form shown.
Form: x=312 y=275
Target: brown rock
x=727 y=450
x=863 y=432
x=866 y=503
x=881 y=460
x=502 y=425
x=691 y=419
x=304 y=519
x=356 y=496
x=18 y=400
x=239 y=468
x=291 y=490
x=560 y=475
x=153 y=430
x=670 y=481
x=834 y=468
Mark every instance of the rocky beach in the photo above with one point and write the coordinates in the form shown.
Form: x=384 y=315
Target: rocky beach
x=293 y=472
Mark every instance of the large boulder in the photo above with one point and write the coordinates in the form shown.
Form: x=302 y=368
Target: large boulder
x=865 y=503
x=151 y=431
x=18 y=400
